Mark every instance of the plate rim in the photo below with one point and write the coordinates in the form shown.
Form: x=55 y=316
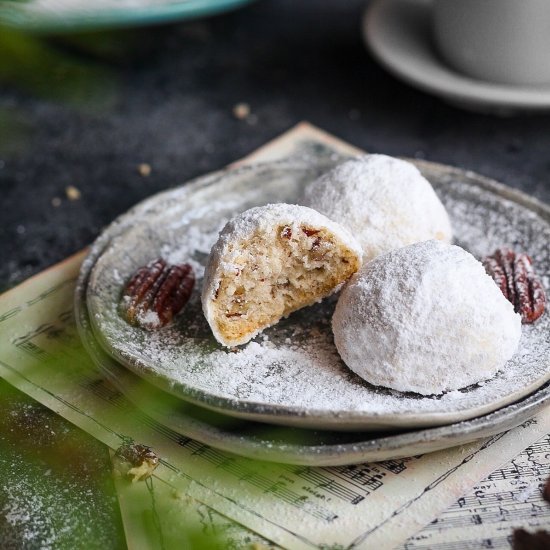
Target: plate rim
x=387 y=447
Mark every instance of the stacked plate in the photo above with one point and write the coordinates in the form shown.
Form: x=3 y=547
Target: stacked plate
x=287 y=396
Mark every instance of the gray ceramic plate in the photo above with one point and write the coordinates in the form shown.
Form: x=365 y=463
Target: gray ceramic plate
x=176 y=418
x=398 y=33
x=292 y=375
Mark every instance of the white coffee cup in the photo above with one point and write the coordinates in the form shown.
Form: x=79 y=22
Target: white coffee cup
x=505 y=41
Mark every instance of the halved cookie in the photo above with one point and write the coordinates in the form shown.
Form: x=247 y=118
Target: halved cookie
x=270 y=261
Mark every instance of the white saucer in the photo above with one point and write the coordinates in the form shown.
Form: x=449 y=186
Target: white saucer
x=398 y=34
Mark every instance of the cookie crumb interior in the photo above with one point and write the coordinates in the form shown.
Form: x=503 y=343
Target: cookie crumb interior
x=276 y=273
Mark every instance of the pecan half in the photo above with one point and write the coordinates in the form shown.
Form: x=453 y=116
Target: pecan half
x=516 y=278
x=136 y=460
x=156 y=293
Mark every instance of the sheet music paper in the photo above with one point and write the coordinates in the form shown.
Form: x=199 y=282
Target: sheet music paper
x=363 y=506
x=507 y=499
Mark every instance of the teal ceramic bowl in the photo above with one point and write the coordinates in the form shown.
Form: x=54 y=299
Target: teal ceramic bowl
x=58 y=16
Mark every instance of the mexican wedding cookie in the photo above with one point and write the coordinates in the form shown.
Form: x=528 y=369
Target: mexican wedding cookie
x=385 y=202
x=425 y=318
x=270 y=261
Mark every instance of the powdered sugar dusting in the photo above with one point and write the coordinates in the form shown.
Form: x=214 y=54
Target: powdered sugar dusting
x=53 y=488
x=297 y=367
x=194 y=248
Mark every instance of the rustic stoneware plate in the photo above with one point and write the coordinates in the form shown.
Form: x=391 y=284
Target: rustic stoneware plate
x=292 y=375
x=176 y=418
x=398 y=34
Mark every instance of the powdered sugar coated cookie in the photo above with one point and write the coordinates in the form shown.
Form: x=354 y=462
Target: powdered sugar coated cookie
x=385 y=202
x=425 y=318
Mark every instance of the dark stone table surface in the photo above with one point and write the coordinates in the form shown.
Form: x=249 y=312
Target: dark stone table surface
x=99 y=105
